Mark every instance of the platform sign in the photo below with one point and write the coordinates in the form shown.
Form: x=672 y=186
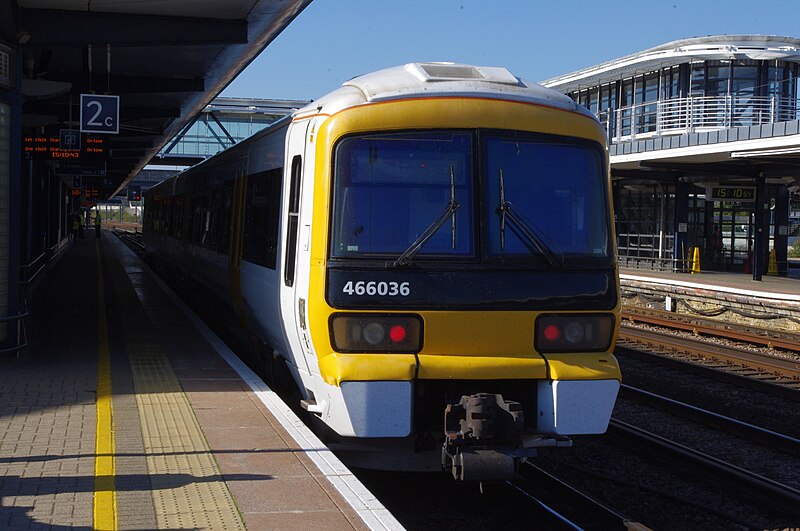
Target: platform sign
x=70 y=139
x=88 y=168
x=99 y=114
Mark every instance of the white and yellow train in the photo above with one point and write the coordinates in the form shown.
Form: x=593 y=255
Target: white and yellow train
x=430 y=251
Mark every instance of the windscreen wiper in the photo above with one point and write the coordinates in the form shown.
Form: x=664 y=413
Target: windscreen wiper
x=449 y=213
x=522 y=229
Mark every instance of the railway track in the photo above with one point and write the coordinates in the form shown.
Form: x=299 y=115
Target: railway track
x=567 y=503
x=131 y=238
x=749 y=362
x=673 y=463
x=766 y=337
x=744 y=453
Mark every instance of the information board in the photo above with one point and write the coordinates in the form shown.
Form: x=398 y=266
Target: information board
x=49 y=147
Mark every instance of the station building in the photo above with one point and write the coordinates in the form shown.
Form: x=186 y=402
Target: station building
x=704 y=143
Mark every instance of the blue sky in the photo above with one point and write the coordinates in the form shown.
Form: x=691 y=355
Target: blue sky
x=332 y=41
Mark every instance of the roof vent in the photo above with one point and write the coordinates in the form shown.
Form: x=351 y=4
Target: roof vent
x=460 y=72
x=5 y=66
x=445 y=71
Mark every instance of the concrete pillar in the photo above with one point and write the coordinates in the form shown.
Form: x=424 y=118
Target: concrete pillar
x=681 y=252
x=760 y=247
x=10 y=199
x=782 y=229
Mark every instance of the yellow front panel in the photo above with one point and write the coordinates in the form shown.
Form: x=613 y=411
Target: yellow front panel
x=337 y=368
x=595 y=366
x=498 y=367
x=482 y=345
x=457 y=344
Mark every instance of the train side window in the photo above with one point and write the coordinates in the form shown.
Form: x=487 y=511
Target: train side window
x=262 y=211
x=292 y=221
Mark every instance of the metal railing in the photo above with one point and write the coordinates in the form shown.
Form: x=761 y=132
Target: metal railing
x=29 y=274
x=696 y=113
x=653 y=264
x=19 y=319
x=648 y=251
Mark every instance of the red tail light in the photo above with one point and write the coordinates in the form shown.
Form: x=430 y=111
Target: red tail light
x=574 y=333
x=376 y=333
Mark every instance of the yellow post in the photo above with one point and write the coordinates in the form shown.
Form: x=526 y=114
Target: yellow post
x=773 y=263
x=696 y=260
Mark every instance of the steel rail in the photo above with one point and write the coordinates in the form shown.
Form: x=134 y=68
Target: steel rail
x=786 y=368
x=785 y=492
x=601 y=513
x=752 y=428
x=748 y=334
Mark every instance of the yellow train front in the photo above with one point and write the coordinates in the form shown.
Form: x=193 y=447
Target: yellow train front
x=450 y=285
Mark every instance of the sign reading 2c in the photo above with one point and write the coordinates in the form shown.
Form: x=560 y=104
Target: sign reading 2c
x=99 y=114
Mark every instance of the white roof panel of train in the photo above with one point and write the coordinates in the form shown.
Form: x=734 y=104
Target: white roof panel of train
x=416 y=80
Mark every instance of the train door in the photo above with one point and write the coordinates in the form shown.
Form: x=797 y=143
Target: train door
x=294 y=282
x=236 y=243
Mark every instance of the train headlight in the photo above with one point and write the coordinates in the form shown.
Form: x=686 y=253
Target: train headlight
x=574 y=333
x=373 y=333
x=376 y=333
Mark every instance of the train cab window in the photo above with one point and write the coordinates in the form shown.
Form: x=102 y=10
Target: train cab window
x=394 y=192
x=541 y=199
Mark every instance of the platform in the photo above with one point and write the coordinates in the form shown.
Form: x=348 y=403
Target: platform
x=773 y=302
x=126 y=412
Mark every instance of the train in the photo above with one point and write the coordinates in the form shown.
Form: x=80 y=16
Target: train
x=425 y=257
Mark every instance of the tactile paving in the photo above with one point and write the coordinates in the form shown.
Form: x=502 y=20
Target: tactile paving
x=187 y=487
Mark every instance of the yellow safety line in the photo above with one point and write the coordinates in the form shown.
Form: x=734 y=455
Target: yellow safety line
x=105 y=496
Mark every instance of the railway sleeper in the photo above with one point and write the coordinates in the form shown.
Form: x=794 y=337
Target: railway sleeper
x=486 y=439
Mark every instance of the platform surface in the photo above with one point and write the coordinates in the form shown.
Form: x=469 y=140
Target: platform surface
x=787 y=287
x=125 y=412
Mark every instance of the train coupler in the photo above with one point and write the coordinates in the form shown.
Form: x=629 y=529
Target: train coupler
x=484 y=438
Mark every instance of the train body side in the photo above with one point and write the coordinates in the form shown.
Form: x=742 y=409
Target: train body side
x=205 y=234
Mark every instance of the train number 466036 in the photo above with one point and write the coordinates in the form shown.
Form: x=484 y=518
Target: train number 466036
x=390 y=289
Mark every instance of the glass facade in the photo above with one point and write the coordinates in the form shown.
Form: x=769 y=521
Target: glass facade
x=209 y=135
x=660 y=224
x=695 y=96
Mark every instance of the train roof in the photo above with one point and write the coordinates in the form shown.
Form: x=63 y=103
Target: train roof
x=427 y=80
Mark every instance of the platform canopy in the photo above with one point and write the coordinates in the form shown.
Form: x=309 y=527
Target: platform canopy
x=165 y=60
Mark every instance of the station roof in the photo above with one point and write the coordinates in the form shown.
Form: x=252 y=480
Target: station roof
x=165 y=60
x=712 y=47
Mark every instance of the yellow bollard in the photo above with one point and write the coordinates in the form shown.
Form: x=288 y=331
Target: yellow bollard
x=696 y=260
x=772 y=269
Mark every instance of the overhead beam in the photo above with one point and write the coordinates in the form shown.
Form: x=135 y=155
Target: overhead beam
x=120 y=84
x=59 y=28
x=127 y=114
x=786 y=161
x=659 y=176
x=176 y=160
x=716 y=168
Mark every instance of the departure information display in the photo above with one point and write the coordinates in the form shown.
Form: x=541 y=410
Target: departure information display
x=49 y=147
